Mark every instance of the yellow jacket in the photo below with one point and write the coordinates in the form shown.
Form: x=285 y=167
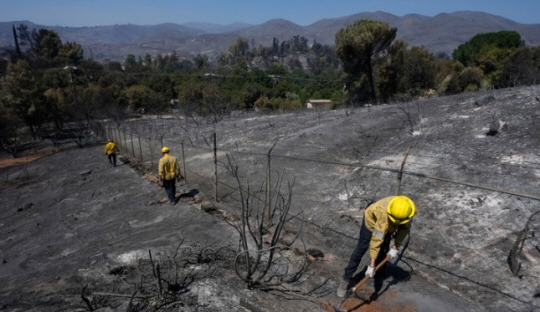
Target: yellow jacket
x=377 y=221
x=111 y=148
x=168 y=168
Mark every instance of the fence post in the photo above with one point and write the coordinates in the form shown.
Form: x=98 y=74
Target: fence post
x=132 y=149
x=215 y=168
x=140 y=149
x=151 y=152
x=125 y=142
x=184 y=163
x=269 y=183
x=400 y=173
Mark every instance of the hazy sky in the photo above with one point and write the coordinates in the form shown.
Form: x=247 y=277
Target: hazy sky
x=302 y=12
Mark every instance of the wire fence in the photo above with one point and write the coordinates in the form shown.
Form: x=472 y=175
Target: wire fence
x=468 y=268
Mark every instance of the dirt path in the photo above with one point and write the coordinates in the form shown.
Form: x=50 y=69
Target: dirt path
x=10 y=161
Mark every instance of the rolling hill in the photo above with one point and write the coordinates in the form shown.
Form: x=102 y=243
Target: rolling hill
x=440 y=34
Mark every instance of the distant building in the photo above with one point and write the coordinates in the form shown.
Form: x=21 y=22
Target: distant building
x=320 y=104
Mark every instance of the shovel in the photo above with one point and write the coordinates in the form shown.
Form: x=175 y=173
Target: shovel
x=360 y=284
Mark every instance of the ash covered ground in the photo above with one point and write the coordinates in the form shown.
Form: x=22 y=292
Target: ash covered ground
x=69 y=221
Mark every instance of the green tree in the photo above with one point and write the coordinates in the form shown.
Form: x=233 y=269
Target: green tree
x=190 y=96
x=201 y=61
x=470 y=79
x=148 y=60
x=24 y=97
x=248 y=94
x=18 y=52
x=130 y=63
x=449 y=73
x=142 y=99
x=237 y=54
x=470 y=52
x=46 y=45
x=522 y=68
x=360 y=44
x=419 y=70
x=391 y=71
x=70 y=53
x=9 y=124
x=161 y=84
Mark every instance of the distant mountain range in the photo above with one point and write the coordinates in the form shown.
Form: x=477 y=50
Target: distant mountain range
x=440 y=34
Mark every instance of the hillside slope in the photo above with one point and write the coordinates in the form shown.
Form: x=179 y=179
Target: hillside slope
x=473 y=170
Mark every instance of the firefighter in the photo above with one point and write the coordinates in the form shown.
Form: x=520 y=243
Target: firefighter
x=168 y=173
x=387 y=219
x=110 y=150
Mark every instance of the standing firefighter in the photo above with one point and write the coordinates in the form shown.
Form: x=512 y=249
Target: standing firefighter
x=387 y=219
x=168 y=173
x=110 y=150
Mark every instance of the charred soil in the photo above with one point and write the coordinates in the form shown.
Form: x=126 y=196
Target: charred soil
x=69 y=222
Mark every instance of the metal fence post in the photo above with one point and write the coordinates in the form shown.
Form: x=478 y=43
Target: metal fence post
x=125 y=142
x=184 y=162
x=140 y=149
x=151 y=152
x=132 y=149
x=215 y=168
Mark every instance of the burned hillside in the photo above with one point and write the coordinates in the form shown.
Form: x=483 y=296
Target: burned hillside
x=470 y=162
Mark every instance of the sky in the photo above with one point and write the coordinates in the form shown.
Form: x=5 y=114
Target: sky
x=77 y=13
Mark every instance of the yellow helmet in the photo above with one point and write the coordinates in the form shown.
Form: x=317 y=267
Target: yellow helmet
x=401 y=209
x=165 y=150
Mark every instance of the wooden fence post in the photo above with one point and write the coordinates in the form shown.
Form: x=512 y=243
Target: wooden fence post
x=269 y=183
x=400 y=172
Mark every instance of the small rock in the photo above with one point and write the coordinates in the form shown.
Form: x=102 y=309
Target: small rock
x=85 y=173
x=315 y=253
x=25 y=207
x=485 y=100
x=209 y=208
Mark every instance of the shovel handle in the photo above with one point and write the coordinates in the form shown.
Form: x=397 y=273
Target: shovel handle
x=365 y=279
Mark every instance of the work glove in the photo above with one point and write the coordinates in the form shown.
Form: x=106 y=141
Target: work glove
x=393 y=253
x=370 y=271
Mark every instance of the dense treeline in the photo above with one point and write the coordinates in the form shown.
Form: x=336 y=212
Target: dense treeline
x=46 y=81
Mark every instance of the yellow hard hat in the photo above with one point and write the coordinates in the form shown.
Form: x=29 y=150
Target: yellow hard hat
x=165 y=150
x=401 y=209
